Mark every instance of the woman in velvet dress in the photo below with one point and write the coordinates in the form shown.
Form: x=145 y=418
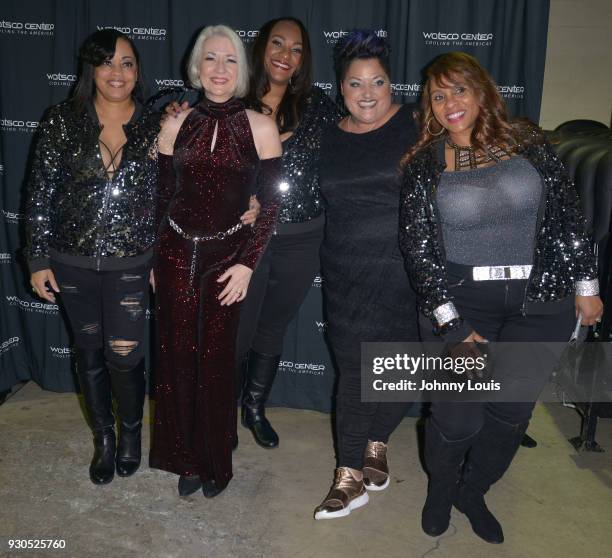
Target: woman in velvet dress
x=367 y=292
x=211 y=158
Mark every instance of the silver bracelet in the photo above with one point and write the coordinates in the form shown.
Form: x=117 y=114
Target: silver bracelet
x=587 y=288
x=445 y=313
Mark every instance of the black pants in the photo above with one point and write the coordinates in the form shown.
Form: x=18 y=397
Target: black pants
x=493 y=309
x=277 y=289
x=106 y=310
x=357 y=421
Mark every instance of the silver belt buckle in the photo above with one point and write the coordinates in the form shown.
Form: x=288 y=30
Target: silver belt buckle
x=500 y=272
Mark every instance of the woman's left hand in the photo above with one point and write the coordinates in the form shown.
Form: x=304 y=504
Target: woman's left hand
x=591 y=309
x=249 y=217
x=236 y=289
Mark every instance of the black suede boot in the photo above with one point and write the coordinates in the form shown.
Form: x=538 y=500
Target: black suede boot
x=129 y=392
x=443 y=460
x=261 y=372
x=488 y=460
x=96 y=389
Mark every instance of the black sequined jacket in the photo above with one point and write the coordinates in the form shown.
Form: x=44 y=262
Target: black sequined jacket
x=301 y=197
x=563 y=262
x=74 y=213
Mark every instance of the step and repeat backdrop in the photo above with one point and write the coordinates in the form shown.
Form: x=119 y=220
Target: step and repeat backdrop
x=39 y=40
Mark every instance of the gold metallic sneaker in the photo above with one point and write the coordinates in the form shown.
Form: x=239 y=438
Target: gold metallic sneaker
x=346 y=495
x=375 y=468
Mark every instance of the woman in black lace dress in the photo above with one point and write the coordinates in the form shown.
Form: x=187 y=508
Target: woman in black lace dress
x=367 y=292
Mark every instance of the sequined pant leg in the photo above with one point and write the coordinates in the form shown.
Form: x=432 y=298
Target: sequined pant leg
x=195 y=409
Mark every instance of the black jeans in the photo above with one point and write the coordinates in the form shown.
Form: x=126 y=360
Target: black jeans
x=493 y=309
x=358 y=421
x=277 y=289
x=106 y=310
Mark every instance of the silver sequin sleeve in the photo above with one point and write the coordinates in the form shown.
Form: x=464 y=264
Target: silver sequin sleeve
x=45 y=175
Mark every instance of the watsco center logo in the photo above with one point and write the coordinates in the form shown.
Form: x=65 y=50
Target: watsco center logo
x=511 y=91
x=325 y=85
x=321 y=326
x=61 y=352
x=301 y=368
x=31 y=28
x=332 y=37
x=61 y=80
x=32 y=306
x=1 y=169
x=12 y=217
x=317 y=281
x=9 y=344
x=13 y=125
x=247 y=35
x=457 y=39
x=142 y=33
x=406 y=89
x=5 y=258
x=163 y=83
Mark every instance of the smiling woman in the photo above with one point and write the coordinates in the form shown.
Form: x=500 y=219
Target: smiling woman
x=90 y=232
x=210 y=158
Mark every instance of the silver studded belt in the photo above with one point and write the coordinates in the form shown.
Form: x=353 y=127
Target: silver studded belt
x=501 y=272
x=196 y=240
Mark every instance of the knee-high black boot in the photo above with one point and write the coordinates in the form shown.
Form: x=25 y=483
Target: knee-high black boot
x=443 y=460
x=129 y=392
x=488 y=460
x=96 y=389
x=261 y=371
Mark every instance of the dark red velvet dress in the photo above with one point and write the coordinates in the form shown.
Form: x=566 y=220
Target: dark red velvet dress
x=204 y=193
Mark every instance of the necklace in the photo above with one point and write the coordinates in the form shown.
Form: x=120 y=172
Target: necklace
x=467 y=157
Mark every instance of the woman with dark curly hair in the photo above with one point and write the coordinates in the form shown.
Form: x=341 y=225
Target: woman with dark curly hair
x=493 y=236
x=367 y=293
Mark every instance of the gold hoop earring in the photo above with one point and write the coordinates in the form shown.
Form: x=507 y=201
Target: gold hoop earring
x=442 y=129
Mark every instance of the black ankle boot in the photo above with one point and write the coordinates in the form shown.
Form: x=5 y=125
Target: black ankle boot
x=443 y=459
x=188 y=484
x=261 y=372
x=210 y=489
x=102 y=467
x=129 y=391
x=489 y=459
x=96 y=389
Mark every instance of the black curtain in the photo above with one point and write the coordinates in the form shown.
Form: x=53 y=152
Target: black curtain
x=38 y=44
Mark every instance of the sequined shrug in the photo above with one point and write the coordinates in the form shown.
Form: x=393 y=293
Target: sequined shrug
x=563 y=262
x=73 y=211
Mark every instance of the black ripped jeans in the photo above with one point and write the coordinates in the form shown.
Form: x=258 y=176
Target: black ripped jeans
x=106 y=310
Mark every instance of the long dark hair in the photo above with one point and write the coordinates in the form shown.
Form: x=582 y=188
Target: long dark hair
x=293 y=102
x=492 y=126
x=97 y=48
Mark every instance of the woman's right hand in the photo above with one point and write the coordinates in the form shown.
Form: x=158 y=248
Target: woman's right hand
x=39 y=280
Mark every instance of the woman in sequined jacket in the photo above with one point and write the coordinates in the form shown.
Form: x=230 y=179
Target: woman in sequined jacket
x=498 y=252
x=90 y=231
x=281 y=89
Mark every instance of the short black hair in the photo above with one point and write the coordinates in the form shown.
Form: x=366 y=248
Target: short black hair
x=98 y=47
x=360 y=44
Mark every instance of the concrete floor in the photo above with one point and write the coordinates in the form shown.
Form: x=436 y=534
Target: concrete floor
x=553 y=502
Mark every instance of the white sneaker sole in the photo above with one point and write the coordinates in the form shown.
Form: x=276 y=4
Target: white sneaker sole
x=353 y=505
x=376 y=488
